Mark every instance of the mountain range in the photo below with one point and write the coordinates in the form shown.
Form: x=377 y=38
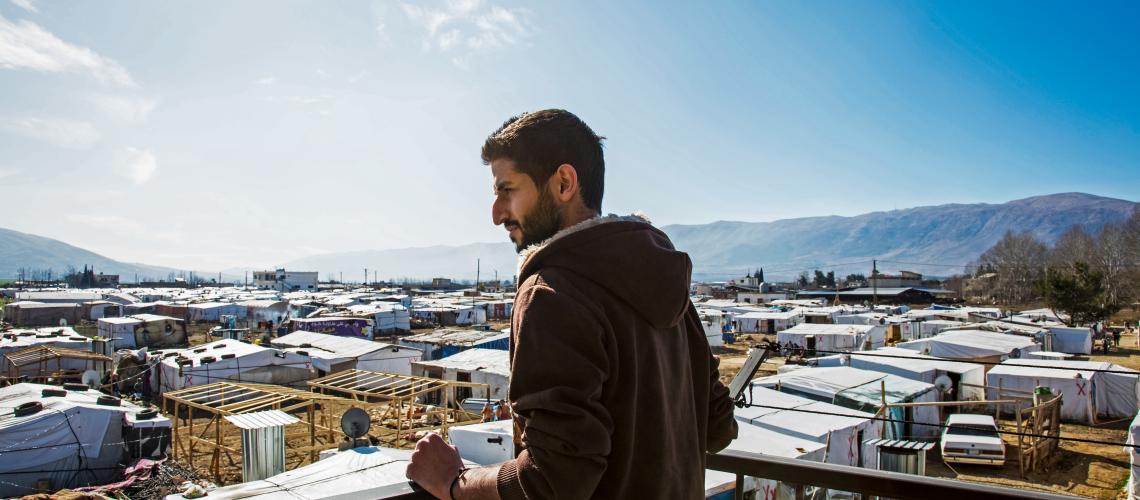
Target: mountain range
x=934 y=240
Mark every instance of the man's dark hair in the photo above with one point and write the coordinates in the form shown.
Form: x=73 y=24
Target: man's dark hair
x=539 y=141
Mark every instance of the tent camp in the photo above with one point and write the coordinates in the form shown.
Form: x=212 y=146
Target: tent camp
x=481 y=366
x=864 y=390
x=385 y=316
x=713 y=323
x=228 y=360
x=274 y=311
x=973 y=345
x=1088 y=395
x=833 y=338
x=967 y=378
x=842 y=433
x=331 y=354
x=75 y=438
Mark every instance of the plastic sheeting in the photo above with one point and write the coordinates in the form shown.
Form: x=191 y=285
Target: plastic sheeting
x=842 y=433
x=834 y=338
x=925 y=369
x=1133 y=457
x=1086 y=394
x=250 y=363
x=972 y=344
x=863 y=390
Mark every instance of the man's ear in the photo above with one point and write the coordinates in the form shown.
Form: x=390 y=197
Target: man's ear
x=564 y=182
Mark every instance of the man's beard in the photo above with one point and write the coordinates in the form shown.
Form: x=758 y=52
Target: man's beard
x=541 y=223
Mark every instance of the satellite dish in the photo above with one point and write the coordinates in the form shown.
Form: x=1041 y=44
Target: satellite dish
x=943 y=383
x=355 y=423
x=1015 y=353
x=92 y=379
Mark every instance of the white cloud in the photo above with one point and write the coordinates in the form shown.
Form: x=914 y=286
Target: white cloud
x=59 y=132
x=27 y=5
x=25 y=45
x=468 y=26
x=124 y=109
x=137 y=165
x=269 y=80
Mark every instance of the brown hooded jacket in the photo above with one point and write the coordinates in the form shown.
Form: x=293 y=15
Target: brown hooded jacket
x=613 y=385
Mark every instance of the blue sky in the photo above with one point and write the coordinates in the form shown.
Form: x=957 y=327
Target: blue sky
x=211 y=135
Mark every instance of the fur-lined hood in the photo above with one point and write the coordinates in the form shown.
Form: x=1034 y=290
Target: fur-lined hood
x=527 y=252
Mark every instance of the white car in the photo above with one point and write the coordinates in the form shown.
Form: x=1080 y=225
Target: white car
x=972 y=439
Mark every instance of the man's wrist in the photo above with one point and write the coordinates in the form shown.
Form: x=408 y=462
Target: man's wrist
x=455 y=482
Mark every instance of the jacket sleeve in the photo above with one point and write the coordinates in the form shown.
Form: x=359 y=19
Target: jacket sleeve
x=559 y=366
x=722 y=421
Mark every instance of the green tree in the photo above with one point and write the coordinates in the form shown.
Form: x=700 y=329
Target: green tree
x=1078 y=292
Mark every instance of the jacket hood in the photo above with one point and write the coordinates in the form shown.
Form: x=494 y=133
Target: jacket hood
x=627 y=256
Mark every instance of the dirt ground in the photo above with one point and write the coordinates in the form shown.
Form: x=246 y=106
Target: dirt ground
x=1087 y=470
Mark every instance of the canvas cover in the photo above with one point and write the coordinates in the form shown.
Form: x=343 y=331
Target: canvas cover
x=864 y=390
x=972 y=344
x=834 y=338
x=926 y=369
x=1086 y=394
x=72 y=432
x=836 y=427
x=332 y=353
x=368 y=472
x=250 y=363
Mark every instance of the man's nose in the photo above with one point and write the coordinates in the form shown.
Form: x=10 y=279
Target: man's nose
x=498 y=214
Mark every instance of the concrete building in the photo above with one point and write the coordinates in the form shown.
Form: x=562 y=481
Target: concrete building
x=286 y=281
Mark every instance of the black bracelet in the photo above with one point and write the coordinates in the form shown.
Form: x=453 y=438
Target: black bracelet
x=451 y=489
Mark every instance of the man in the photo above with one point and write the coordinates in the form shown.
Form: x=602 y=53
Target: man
x=614 y=390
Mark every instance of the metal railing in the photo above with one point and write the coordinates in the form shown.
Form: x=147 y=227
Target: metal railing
x=804 y=473
x=868 y=482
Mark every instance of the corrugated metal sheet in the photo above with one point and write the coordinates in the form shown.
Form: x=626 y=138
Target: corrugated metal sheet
x=262 y=419
x=900 y=444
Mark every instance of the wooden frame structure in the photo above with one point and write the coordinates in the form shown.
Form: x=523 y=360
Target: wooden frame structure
x=320 y=412
x=397 y=399
x=43 y=355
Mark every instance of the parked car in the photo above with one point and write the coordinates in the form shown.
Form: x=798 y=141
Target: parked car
x=972 y=439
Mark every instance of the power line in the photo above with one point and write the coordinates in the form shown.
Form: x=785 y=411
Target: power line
x=873 y=354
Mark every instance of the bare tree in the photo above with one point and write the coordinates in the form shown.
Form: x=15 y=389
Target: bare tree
x=1114 y=261
x=1018 y=260
x=1074 y=246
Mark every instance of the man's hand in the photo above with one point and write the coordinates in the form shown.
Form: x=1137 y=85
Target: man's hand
x=434 y=465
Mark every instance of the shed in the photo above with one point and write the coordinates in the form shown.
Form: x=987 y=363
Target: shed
x=487 y=366
x=331 y=354
x=968 y=378
x=229 y=361
x=865 y=390
x=444 y=342
x=1087 y=394
x=833 y=338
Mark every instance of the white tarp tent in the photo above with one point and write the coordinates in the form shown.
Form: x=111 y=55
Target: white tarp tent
x=973 y=344
x=58 y=336
x=480 y=366
x=368 y=472
x=333 y=353
x=914 y=366
x=213 y=311
x=386 y=316
x=1087 y=394
x=864 y=390
x=228 y=361
x=842 y=433
x=767 y=442
x=834 y=338
x=1071 y=340
x=73 y=441
x=766 y=321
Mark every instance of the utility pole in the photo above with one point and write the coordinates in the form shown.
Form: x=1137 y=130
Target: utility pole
x=365 y=277
x=874 y=283
x=476 y=276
